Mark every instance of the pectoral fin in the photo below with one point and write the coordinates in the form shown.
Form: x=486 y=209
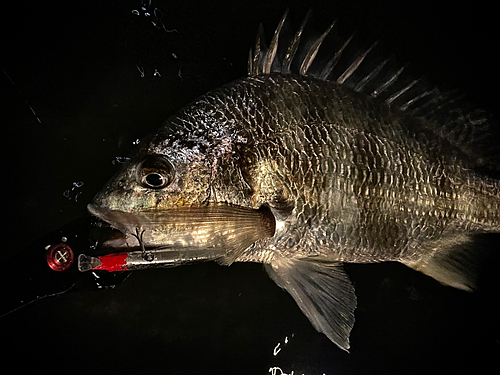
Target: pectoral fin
x=323 y=292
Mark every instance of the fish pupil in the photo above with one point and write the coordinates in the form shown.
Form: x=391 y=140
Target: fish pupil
x=155 y=180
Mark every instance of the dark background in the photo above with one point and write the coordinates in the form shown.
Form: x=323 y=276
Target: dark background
x=77 y=66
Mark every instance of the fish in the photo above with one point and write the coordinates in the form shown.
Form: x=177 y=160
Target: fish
x=318 y=157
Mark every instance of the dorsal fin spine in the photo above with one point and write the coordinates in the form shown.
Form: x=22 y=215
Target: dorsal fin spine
x=415 y=99
x=250 y=62
x=370 y=76
x=387 y=83
x=400 y=92
x=333 y=61
x=294 y=44
x=273 y=47
x=259 y=43
x=311 y=54
x=355 y=64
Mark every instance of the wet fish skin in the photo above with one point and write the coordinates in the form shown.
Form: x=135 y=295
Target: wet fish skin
x=346 y=177
x=321 y=173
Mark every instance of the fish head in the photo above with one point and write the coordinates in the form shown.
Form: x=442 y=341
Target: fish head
x=160 y=176
x=183 y=190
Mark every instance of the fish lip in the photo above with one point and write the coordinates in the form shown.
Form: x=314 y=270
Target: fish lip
x=101 y=213
x=120 y=220
x=94 y=210
x=124 y=240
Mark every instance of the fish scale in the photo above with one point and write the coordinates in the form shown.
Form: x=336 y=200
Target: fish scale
x=303 y=184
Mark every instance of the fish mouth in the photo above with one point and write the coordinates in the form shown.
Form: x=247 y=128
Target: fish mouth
x=214 y=226
x=123 y=221
x=121 y=228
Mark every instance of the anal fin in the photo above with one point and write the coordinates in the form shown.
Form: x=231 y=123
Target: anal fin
x=453 y=260
x=323 y=292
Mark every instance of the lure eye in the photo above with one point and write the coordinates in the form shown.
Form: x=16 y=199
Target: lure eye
x=155 y=172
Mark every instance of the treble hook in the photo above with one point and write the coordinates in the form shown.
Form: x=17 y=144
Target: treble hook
x=148 y=256
x=141 y=241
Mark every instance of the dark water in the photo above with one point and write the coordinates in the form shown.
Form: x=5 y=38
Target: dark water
x=74 y=102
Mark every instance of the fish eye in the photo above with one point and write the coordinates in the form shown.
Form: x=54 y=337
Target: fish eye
x=155 y=172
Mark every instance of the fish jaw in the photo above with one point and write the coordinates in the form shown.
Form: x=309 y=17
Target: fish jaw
x=218 y=227
x=125 y=223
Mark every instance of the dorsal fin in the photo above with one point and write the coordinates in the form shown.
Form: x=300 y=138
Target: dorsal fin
x=381 y=80
x=364 y=71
